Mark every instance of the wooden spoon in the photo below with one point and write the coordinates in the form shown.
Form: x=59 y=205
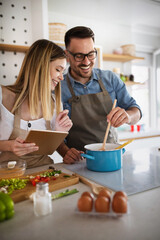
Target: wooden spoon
x=94 y=187
x=107 y=130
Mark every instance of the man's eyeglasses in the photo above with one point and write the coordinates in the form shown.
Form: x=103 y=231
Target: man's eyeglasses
x=79 y=57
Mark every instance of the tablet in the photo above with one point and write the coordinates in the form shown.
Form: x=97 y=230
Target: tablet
x=48 y=141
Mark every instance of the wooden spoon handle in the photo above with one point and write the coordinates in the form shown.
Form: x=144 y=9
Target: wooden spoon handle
x=108 y=127
x=106 y=135
x=85 y=181
x=91 y=184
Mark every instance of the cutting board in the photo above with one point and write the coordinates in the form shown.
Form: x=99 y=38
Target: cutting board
x=59 y=183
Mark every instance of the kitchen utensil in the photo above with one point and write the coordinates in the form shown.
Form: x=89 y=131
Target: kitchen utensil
x=107 y=130
x=12 y=169
x=103 y=161
x=94 y=187
x=124 y=144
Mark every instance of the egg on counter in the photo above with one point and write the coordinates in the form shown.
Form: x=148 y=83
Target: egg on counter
x=102 y=204
x=105 y=193
x=85 y=204
x=119 y=204
x=88 y=194
x=120 y=194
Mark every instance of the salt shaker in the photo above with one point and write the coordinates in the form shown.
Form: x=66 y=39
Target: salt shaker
x=42 y=200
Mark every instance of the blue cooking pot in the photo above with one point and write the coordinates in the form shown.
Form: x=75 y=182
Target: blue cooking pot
x=103 y=161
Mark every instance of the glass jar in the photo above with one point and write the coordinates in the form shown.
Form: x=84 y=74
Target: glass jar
x=42 y=200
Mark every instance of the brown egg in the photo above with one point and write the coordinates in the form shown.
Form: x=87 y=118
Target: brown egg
x=105 y=193
x=121 y=194
x=85 y=204
x=119 y=204
x=88 y=194
x=102 y=204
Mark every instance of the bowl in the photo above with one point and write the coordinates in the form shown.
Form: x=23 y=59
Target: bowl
x=12 y=169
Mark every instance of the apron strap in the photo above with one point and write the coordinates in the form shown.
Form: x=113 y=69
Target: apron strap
x=17 y=114
x=70 y=87
x=102 y=85
x=48 y=125
x=76 y=98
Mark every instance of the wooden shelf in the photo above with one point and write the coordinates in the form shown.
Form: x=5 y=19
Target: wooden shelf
x=106 y=57
x=18 y=48
x=130 y=83
x=13 y=48
x=120 y=58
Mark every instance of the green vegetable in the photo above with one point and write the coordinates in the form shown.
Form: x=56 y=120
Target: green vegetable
x=49 y=174
x=65 y=193
x=13 y=184
x=66 y=176
x=6 y=207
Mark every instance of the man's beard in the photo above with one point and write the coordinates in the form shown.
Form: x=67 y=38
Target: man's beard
x=78 y=72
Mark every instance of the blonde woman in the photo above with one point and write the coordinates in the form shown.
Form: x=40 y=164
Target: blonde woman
x=30 y=104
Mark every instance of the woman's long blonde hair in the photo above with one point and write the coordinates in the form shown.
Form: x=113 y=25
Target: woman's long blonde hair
x=34 y=81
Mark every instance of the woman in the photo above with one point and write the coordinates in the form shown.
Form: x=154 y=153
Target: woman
x=30 y=104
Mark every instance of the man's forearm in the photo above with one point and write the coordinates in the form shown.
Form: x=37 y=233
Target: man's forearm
x=62 y=149
x=134 y=114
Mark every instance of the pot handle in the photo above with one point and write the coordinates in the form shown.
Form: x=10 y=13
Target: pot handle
x=87 y=156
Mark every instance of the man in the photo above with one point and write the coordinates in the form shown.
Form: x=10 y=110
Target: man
x=89 y=93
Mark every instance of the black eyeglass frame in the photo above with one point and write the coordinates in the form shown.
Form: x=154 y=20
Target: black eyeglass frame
x=84 y=55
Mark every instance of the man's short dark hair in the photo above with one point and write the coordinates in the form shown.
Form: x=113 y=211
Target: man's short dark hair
x=78 y=32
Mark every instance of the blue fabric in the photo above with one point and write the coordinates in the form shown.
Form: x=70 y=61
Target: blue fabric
x=113 y=84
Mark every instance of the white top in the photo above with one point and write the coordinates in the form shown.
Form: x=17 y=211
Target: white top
x=7 y=120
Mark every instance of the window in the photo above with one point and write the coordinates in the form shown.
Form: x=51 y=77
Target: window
x=141 y=92
x=157 y=79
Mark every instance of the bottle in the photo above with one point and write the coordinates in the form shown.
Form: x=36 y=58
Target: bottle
x=122 y=77
x=42 y=200
x=131 y=77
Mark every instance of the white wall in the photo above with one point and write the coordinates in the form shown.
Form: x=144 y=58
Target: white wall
x=110 y=28
x=39 y=12
x=22 y=23
x=107 y=35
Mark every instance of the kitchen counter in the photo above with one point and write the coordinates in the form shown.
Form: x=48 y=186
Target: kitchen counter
x=142 y=222
x=125 y=135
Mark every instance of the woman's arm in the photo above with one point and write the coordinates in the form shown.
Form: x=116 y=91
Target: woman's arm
x=63 y=122
x=17 y=146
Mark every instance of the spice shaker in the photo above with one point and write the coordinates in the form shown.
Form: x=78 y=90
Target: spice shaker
x=42 y=200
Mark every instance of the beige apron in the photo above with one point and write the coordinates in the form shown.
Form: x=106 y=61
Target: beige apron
x=32 y=160
x=88 y=113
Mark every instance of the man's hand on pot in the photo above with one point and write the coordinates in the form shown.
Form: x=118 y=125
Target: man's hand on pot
x=72 y=155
